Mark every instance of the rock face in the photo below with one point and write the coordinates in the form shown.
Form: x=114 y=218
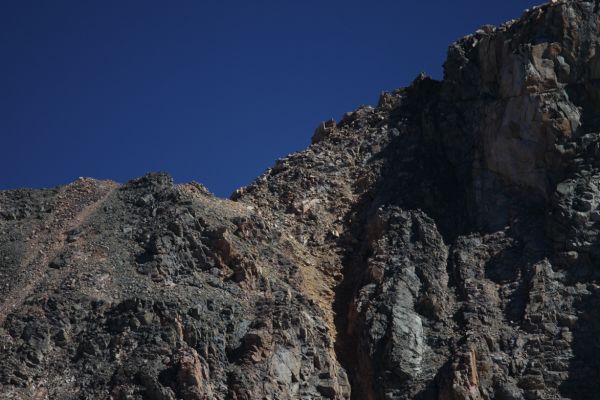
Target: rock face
x=443 y=245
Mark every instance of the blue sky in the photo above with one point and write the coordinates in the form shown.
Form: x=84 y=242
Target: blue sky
x=212 y=91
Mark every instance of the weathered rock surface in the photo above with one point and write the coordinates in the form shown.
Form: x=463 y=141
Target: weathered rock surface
x=442 y=245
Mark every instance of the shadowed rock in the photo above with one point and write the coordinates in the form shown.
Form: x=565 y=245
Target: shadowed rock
x=442 y=245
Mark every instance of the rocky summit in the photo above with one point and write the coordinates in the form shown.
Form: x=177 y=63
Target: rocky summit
x=442 y=245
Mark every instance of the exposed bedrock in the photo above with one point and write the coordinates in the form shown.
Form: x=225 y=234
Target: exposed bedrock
x=441 y=245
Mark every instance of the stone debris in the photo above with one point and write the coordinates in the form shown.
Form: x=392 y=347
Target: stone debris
x=442 y=245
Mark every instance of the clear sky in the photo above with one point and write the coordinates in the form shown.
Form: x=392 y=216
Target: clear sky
x=207 y=90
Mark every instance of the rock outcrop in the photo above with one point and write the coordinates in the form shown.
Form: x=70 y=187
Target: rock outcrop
x=442 y=245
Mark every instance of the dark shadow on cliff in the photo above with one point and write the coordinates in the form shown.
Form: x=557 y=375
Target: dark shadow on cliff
x=353 y=270
x=509 y=268
x=584 y=368
x=415 y=174
x=583 y=380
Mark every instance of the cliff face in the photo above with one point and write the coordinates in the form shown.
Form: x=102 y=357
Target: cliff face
x=443 y=245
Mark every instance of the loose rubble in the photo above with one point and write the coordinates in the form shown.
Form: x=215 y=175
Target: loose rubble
x=442 y=245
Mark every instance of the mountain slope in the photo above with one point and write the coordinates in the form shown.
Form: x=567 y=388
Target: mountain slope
x=442 y=245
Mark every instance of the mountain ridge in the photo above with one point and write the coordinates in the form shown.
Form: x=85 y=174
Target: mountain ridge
x=441 y=245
